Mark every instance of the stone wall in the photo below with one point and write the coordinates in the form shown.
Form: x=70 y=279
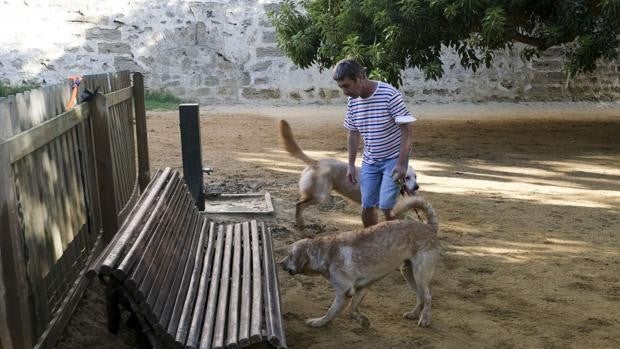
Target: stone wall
x=225 y=52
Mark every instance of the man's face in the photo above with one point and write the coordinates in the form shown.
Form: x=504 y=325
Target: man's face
x=351 y=88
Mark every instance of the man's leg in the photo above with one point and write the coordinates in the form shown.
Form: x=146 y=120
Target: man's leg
x=370 y=184
x=389 y=189
x=387 y=213
x=369 y=217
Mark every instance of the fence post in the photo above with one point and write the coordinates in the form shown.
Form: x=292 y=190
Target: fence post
x=144 y=175
x=18 y=311
x=103 y=166
x=189 y=122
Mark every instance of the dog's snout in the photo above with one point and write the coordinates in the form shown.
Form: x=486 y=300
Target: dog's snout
x=282 y=263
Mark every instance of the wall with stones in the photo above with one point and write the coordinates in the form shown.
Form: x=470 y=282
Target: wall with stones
x=225 y=52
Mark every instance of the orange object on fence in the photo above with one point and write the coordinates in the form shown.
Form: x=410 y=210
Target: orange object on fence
x=75 y=83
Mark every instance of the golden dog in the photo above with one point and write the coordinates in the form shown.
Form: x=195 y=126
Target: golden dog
x=354 y=260
x=321 y=176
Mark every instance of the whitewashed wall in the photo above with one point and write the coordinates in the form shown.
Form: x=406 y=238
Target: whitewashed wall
x=224 y=51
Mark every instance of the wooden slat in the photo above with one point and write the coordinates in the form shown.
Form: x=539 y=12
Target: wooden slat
x=12 y=102
x=273 y=314
x=24 y=118
x=232 y=328
x=161 y=285
x=6 y=128
x=175 y=288
x=13 y=258
x=38 y=231
x=257 y=287
x=105 y=180
x=115 y=254
x=140 y=278
x=222 y=302
x=119 y=96
x=206 y=336
x=180 y=318
x=132 y=255
x=174 y=305
x=153 y=264
x=246 y=290
x=94 y=266
x=141 y=131
x=195 y=329
x=87 y=168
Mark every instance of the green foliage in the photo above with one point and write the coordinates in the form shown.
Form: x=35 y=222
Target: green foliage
x=389 y=36
x=8 y=90
x=160 y=100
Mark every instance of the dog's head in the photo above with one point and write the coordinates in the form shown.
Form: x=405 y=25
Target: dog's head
x=296 y=261
x=411 y=184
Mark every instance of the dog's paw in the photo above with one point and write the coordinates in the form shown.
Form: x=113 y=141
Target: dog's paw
x=412 y=315
x=361 y=319
x=316 y=322
x=425 y=321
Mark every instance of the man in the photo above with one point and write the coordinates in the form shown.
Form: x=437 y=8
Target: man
x=375 y=112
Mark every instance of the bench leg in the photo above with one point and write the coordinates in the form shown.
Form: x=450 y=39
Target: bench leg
x=113 y=311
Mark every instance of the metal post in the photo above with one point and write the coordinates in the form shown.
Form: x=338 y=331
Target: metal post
x=192 y=151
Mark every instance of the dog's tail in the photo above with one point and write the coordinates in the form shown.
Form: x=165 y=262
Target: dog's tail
x=288 y=141
x=417 y=202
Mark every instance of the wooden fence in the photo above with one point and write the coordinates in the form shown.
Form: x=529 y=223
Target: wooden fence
x=68 y=178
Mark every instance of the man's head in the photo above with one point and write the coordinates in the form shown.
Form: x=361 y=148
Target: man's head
x=351 y=78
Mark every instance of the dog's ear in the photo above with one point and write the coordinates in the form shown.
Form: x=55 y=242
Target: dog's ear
x=301 y=255
x=88 y=95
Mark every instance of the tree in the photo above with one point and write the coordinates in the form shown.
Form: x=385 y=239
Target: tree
x=389 y=36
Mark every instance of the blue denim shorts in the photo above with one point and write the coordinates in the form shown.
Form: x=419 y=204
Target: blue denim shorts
x=377 y=186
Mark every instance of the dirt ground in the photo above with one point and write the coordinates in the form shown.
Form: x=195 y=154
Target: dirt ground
x=528 y=199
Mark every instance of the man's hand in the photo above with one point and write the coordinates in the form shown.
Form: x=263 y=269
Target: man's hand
x=351 y=175
x=399 y=173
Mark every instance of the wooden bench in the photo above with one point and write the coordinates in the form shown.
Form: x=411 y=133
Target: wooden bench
x=191 y=283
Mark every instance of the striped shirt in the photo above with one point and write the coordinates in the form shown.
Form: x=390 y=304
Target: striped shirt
x=376 y=118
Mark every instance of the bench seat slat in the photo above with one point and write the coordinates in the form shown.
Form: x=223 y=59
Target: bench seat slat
x=257 y=287
x=222 y=302
x=195 y=330
x=178 y=288
x=232 y=327
x=182 y=330
x=206 y=337
x=246 y=291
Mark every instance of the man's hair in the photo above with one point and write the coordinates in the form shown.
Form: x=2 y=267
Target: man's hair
x=348 y=68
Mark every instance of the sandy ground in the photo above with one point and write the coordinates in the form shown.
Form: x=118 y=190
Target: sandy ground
x=528 y=199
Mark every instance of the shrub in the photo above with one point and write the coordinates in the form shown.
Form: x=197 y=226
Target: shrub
x=8 y=90
x=160 y=100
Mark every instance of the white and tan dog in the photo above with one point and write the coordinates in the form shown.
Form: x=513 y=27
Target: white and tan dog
x=321 y=176
x=354 y=260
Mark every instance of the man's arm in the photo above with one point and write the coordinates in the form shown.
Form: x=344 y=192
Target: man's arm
x=406 y=138
x=353 y=140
